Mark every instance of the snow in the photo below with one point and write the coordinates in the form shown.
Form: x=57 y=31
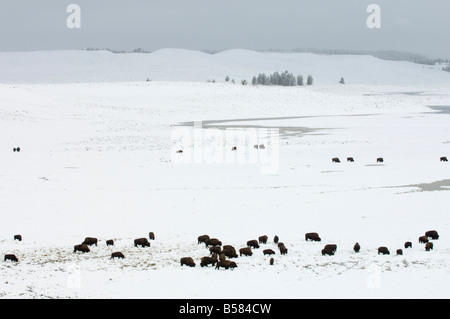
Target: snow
x=98 y=158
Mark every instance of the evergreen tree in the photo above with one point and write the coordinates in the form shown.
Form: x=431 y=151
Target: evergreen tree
x=309 y=80
x=300 y=80
x=342 y=81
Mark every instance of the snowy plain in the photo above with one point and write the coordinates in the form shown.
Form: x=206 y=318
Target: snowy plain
x=98 y=158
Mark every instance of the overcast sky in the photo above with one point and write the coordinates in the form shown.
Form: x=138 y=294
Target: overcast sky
x=419 y=26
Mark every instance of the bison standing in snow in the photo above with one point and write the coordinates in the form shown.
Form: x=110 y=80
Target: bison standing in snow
x=90 y=241
x=312 y=237
x=117 y=254
x=383 y=250
x=188 y=261
x=81 y=247
x=11 y=257
x=246 y=251
x=432 y=234
x=143 y=242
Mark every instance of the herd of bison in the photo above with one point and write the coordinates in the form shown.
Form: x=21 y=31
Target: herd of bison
x=219 y=253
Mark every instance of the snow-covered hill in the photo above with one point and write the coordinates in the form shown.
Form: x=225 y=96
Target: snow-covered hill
x=186 y=65
x=99 y=159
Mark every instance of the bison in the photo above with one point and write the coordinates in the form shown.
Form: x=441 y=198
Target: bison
x=428 y=246
x=335 y=160
x=312 y=237
x=380 y=160
x=18 y=237
x=268 y=252
x=226 y=264
x=283 y=250
x=327 y=251
x=110 y=242
x=143 y=242
x=423 y=239
x=444 y=159
x=90 y=241
x=271 y=261
x=205 y=261
x=117 y=254
x=275 y=239
x=151 y=235
x=383 y=250
x=202 y=239
x=81 y=247
x=332 y=247
x=188 y=261
x=356 y=247
x=229 y=251
x=408 y=244
x=432 y=234
x=262 y=239
x=246 y=251
x=11 y=257
x=350 y=159
x=234 y=148
x=253 y=243
x=399 y=252
x=215 y=249
x=213 y=242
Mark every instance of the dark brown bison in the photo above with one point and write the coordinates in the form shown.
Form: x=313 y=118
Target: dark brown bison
x=81 y=247
x=423 y=239
x=234 y=148
x=380 y=160
x=18 y=237
x=205 y=261
x=90 y=241
x=383 y=250
x=253 y=243
x=215 y=249
x=143 y=242
x=226 y=264
x=268 y=252
x=350 y=159
x=428 y=246
x=180 y=151
x=332 y=247
x=202 y=239
x=213 y=242
x=271 y=261
x=312 y=237
x=444 y=159
x=327 y=251
x=408 y=244
x=246 y=251
x=188 y=261
x=283 y=250
x=229 y=251
x=151 y=235
x=356 y=247
x=11 y=257
x=117 y=254
x=110 y=242
x=335 y=160
x=275 y=239
x=432 y=234
x=262 y=239
x=399 y=252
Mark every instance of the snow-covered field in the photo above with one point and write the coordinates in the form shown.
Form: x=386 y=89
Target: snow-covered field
x=98 y=158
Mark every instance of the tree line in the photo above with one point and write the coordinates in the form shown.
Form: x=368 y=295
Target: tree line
x=284 y=79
